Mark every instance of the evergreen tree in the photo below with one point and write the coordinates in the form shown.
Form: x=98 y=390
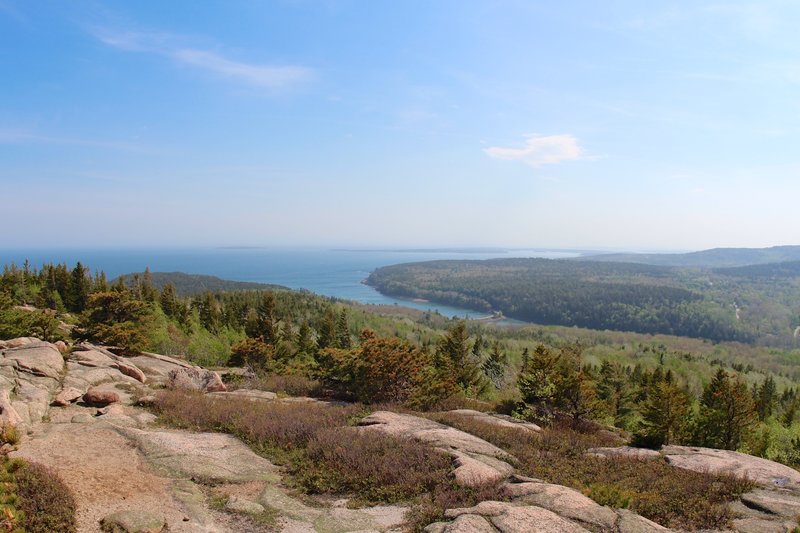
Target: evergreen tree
x=79 y=288
x=100 y=282
x=765 y=397
x=495 y=364
x=169 y=301
x=665 y=415
x=727 y=412
x=267 y=324
x=149 y=292
x=454 y=353
x=343 y=340
x=327 y=331
x=538 y=377
x=115 y=318
x=614 y=389
x=305 y=339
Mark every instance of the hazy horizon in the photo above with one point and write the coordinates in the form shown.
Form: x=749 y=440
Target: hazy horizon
x=624 y=126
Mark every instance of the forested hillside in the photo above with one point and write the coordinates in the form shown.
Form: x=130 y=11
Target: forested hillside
x=714 y=258
x=618 y=296
x=757 y=303
x=192 y=284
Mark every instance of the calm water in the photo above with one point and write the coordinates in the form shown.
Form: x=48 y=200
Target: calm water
x=327 y=272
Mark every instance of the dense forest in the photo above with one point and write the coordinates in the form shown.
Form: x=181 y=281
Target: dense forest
x=298 y=342
x=754 y=304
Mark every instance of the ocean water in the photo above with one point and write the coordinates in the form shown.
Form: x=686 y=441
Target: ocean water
x=336 y=273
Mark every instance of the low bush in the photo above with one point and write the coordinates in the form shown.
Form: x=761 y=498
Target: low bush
x=289 y=384
x=326 y=455
x=673 y=497
x=33 y=499
x=372 y=465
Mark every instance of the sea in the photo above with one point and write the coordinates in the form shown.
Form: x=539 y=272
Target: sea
x=336 y=273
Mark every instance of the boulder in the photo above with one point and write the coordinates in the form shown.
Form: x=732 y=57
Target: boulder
x=67 y=396
x=100 y=397
x=37 y=358
x=61 y=346
x=478 y=462
x=131 y=371
x=761 y=471
x=133 y=522
x=510 y=518
x=196 y=379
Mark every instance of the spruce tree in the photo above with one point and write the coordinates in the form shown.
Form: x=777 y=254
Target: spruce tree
x=727 y=411
x=454 y=353
x=665 y=415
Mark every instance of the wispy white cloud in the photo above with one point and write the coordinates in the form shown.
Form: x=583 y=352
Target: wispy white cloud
x=540 y=150
x=265 y=76
x=174 y=47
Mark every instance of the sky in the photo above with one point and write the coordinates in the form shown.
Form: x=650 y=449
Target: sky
x=580 y=124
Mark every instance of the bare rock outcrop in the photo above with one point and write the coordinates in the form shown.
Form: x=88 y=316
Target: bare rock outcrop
x=37 y=358
x=506 y=518
x=564 y=501
x=624 y=451
x=478 y=462
x=762 y=471
x=502 y=421
x=195 y=379
x=246 y=394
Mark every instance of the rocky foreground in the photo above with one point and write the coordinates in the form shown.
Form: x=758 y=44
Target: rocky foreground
x=79 y=411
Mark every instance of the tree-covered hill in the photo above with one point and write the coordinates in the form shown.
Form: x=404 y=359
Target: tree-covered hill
x=616 y=296
x=193 y=284
x=714 y=258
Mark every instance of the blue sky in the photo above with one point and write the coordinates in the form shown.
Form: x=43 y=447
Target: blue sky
x=631 y=125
